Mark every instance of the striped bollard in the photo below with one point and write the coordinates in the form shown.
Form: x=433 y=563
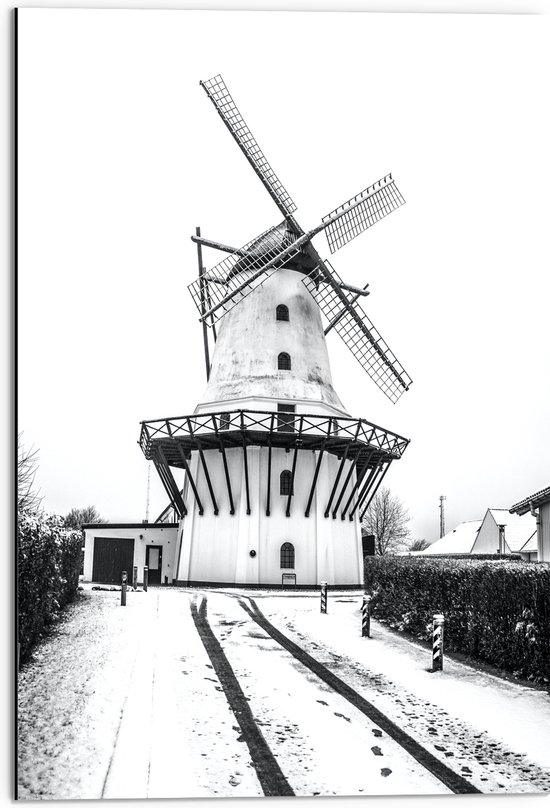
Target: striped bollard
x=437 y=648
x=365 y=616
x=134 y=579
x=145 y=578
x=123 y=589
x=324 y=586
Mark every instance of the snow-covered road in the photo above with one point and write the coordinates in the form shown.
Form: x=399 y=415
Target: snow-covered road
x=196 y=693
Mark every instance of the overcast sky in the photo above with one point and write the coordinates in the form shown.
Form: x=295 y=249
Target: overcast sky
x=121 y=155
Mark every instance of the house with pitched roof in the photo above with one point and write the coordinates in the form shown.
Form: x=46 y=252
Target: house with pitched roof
x=503 y=533
x=498 y=533
x=537 y=505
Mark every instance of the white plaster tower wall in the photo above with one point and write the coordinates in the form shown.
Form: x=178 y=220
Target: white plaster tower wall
x=216 y=549
x=245 y=376
x=244 y=370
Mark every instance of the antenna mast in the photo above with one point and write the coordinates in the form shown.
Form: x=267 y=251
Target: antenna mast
x=148 y=490
x=442 y=516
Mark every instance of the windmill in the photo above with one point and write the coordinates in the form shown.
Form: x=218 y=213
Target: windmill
x=286 y=244
x=270 y=458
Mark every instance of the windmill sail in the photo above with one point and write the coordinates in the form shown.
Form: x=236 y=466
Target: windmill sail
x=359 y=334
x=361 y=212
x=221 y=98
x=244 y=270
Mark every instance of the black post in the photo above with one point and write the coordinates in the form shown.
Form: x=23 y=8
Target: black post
x=324 y=587
x=134 y=579
x=365 y=616
x=123 y=588
x=145 y=578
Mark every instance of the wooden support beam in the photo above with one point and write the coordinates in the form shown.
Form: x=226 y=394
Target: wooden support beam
x=293 y=473
x=225 y=468
x=191 y=480
x=203 y=285
x=245 y=459
x=317 y=468
x=337 y=480
x=204 y=467
x=168 y=480
x=375 y=489
x=348 y=475
x=177 y=499
x=366 y=486
x=268 y=503
x=345 y=483
x=166 y=486
x=208 y=481
x=359 y=480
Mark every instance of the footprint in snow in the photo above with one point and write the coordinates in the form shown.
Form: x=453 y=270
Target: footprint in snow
x=377 y=733
x=319 y=701
x=385 y=772
x=341 y=715
x=376 y=750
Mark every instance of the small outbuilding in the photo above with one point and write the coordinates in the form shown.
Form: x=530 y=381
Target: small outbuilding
x=110 y=549
x=538 y=506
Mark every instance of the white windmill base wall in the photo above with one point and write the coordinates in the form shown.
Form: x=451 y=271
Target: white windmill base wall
x=216 y=549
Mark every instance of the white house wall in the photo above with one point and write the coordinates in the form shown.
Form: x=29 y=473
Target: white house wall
x=544 y=533
x=165 y=537
x=217 y=548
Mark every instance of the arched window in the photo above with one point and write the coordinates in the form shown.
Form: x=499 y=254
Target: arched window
x=287 y=556
x=282 y=313
x=283 y=361
x=285 y=483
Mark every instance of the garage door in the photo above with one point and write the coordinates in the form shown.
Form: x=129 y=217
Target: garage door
x=111 y=556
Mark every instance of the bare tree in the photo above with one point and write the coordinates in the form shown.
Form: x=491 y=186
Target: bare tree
x=83 y=516
x=28 y=498
x=418 y=544
x=386 y=519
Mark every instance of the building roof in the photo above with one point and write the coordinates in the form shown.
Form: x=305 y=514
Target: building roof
x=539 y=498
x=134 y=525
x=517 y=530
x=530 y=545
x=459 y=540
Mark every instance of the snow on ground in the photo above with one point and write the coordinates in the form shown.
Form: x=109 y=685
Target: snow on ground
x=121 y=702
x=394 y=674
x=124 y=702
x=323 y=744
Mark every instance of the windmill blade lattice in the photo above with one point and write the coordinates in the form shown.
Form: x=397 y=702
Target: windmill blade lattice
x=244 y=270
x=359 y=334
x=221 y=98
x=361 y=212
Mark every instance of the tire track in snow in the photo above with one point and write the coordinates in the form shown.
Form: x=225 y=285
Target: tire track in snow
x=453 y=781
x=480 y=756
x=272 y=779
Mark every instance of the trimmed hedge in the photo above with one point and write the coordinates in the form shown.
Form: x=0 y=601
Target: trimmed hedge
x=495 y=611
x=49 y=558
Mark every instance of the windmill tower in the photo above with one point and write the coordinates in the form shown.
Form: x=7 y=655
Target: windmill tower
x=276 y=474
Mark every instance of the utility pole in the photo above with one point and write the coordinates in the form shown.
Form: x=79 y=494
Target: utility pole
x=442 y=516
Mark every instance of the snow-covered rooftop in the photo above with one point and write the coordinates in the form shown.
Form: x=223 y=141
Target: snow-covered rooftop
x=518 y=529
x=459 y=540
x=530 y=545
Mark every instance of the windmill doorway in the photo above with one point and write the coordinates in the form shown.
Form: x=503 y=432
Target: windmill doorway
x=153 y=560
